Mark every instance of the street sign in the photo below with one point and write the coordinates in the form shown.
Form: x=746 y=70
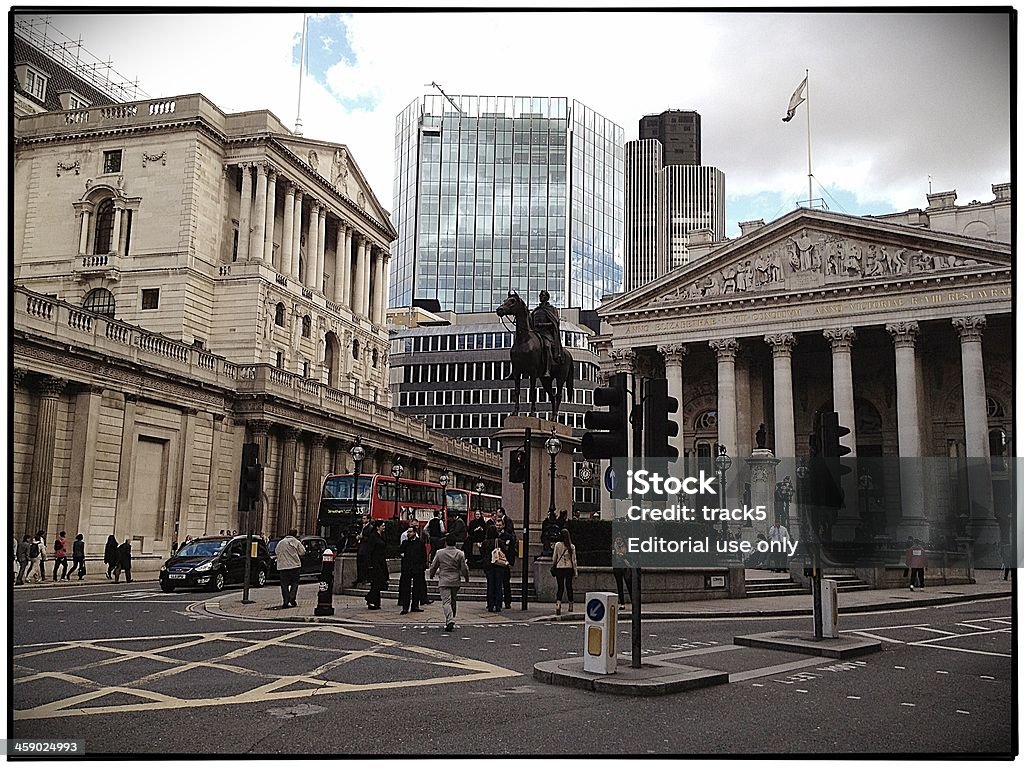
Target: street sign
x=609 y=479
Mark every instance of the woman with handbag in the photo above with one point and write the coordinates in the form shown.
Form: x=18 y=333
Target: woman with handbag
x=563 y=567
x=495 y=563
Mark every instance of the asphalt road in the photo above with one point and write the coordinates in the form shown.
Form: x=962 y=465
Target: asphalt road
x=132 y=670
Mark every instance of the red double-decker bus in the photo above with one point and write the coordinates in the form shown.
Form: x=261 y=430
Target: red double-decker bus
x=464 y=503
x=344 y=500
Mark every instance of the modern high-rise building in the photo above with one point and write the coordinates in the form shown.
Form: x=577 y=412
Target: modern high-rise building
x=667 y=198
x=499 y=193
x=678 y=131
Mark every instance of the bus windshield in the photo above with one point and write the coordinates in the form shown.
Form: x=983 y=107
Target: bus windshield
x=458 y=501
x=339 y=487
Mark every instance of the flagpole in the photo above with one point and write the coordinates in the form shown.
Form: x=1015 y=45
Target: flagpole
x=810 y=192
x=302 y=67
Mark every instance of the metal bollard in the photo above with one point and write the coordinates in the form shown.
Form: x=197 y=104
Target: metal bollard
x=325 y=592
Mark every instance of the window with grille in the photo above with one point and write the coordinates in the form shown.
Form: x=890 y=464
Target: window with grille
x=112 y=161
x=104 y=227
x=150 y=298
x=35 y=84
x=279 y=315
x=100 y=301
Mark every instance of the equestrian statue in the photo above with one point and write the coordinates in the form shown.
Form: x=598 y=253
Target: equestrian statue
x=537 y=351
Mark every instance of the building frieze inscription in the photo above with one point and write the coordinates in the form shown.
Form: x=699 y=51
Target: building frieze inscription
x=815 y=257
x=832 y=308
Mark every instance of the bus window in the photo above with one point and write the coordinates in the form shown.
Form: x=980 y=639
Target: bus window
x=340 y=487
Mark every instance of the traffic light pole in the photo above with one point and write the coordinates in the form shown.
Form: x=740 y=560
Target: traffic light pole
x=248 y=551
x=637 y=601
x=526 y=524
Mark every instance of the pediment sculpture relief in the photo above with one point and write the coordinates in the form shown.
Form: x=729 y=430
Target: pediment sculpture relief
x=831 y=257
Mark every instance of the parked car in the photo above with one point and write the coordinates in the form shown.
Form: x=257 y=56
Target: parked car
x=211 y=562
x=311 y=561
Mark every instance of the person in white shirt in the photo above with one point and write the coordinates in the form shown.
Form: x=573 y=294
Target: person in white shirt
x=778 y=538
x=289 y=552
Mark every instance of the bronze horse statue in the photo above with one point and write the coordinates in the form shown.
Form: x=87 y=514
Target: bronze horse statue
x=527 y=356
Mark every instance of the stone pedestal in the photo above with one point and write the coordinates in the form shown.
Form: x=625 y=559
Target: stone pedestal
x=762 y=464
x=513 y=436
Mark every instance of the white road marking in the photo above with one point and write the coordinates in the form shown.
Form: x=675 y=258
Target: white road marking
x=986 y=677
x=962 y=712
x=907 y=704
x=941 y=672
x=801 y=690
x=857 y=698
x=899 y=667
x=750 y=674
x=877 y=637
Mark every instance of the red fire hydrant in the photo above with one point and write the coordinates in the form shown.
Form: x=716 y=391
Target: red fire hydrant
x=325 y=592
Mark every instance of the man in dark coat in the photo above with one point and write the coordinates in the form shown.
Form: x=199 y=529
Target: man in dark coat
x=363 y=555
x=378 y=563
x=507 y=540
x=110 y=554
x=412 y=585
x=124 y=562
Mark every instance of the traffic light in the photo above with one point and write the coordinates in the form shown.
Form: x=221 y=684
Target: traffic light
x=250 y=486
x=659 y=426
x=608 y=430
x=831 y=433
x=518 y=466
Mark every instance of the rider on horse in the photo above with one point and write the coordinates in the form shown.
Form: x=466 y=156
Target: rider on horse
x=546 y=323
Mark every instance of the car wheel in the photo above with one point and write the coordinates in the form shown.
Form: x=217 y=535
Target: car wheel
x=166 y=587
x=217 y=583
x=261 y=578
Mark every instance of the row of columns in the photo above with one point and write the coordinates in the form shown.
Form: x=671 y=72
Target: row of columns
x=359 y=265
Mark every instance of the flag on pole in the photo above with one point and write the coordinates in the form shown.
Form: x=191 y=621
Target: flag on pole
x=795 y=101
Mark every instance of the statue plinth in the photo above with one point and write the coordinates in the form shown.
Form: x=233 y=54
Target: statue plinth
x=513 y=436
x=762 y=464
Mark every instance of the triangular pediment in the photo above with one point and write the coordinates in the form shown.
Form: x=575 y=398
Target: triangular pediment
x=335 y=165
x=809 y=250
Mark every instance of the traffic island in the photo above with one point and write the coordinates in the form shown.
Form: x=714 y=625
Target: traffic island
x=651 y=679
x=843 y=647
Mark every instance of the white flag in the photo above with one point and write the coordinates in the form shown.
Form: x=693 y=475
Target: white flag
x=795 y=101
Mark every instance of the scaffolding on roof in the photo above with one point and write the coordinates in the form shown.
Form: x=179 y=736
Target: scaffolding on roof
x=40 y=32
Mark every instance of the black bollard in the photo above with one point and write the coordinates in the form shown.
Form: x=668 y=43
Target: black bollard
x=325 y=592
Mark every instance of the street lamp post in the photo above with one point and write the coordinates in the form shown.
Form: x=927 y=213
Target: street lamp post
x=358 y=453
x=479 y=488
x=553 y=446
x=443 y=481
x=810 y=537
x=865 y=484
x=786 y=492
x=397 y=470
x=722 y=463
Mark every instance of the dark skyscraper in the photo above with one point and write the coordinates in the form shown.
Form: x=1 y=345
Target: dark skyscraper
x=679 y=133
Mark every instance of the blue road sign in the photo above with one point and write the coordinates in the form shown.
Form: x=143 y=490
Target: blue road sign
x=609 y=479
x=595 y=610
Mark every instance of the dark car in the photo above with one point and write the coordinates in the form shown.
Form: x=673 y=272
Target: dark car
x=311 y=561
x=214 y=561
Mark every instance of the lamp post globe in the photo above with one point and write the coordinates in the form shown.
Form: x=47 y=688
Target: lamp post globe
x=553 y=446
x=358 y=453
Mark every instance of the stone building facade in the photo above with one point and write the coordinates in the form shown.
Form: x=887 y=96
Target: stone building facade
x=186 y=281
x=903 y=330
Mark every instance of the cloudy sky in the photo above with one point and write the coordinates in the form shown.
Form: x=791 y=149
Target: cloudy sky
x=894 y=97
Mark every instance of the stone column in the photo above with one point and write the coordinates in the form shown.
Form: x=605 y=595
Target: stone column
x=41 y=482
x=979 y=468
x=286 y=483
x=288 y=231
x=78 y=505
x=245 y=211
x=841 y=340
x=115 y=236
x=674 y=354
x=341 y=274
x=122 y=238
x=377 y=310
x=268 y=246
x=362 y=276
x=259 y=218
x=346 y=270
x=314 y=483
x=321 y=251
x=908 y=423
x=782 y=370
x=296 y=235
x=385 y=280
x=725 y=350
x=83 y=238
x=312 y=244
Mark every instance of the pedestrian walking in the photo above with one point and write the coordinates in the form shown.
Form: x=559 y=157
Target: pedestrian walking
x=378 y=563
x=110 y=554
x=778 y=540
x=622 y=569
x=78 y=556
x=22 y=557
x=494 y=561
x=563 y=568
x=1006 y=551
x=449 y=565
x=124 y=562
x=37 y=559
x=363 y=553
x=289 y=554
x=436 y=532
x=916 y=561
x=474 y=543
x=412 y=586
x=457 y=526
x=60 y=556
x=507 y=534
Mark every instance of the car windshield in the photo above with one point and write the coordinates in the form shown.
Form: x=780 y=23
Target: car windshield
x=202 y=548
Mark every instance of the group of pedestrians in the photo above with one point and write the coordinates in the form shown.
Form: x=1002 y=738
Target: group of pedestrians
x=31 y=554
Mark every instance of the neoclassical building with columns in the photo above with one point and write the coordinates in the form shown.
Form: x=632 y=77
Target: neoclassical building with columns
x=905 y=331
x=186 y=281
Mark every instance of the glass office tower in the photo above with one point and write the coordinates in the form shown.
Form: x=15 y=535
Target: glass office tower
x=506 y=193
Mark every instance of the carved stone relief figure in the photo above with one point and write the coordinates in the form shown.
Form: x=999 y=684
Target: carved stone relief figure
x=340 y=169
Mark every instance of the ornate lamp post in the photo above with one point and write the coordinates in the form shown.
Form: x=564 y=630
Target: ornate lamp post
x=553 y=446
x=722 y=463
x=801 y=478
x=786 y=492
x=397 y=470
x=358 y=453
x=479 y=488
x=865 y=483
x=443 y=481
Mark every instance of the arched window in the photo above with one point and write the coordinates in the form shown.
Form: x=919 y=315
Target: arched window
x=104 y=227
x=355 y=349
x=100 y=301
x=279 y=315
x=306 y=324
